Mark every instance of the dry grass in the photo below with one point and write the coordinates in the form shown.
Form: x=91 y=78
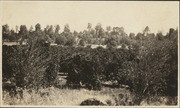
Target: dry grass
x=160 y=101
x=55 y=96
x=73 y=97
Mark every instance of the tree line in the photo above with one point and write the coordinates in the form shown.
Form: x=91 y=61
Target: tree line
x=111 y=36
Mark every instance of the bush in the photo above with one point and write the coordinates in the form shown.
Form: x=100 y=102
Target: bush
x=146 y=70
x=28 y=64
x=82 y=68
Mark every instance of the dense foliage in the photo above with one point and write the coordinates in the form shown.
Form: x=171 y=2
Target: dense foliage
x=147 y=63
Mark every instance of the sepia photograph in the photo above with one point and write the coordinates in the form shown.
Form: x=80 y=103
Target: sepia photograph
x=89 y=53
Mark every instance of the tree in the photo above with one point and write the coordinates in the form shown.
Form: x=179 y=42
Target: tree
x=151 y=36
x=28 y=63
x=146 y=31
x=173 y=33
x=23 y=29
x=50 y=34
x=17 y=29
x=121 y=32
x=57 y=29
x=37 y=27
x=46 y=29
x=146 y=70
x=50 y=31
x=89 y=27
x=66 y=28
x=132 y=35
x=35 y=64
x=102 y=33
x=31 y=29
x=171 y=30
x=82 y=42
x=5 y=32
x=5 y=28
x=108 y=29
x=75 y=34
x=85 y=67
x=98 y=29
x=111 y=42
x=61 y=40
x=71 y=41
x=139 y=36
x=12 y=36
x=159 y=36
x=38 y=32
x=124 y=41
x=23 y=33
x=115 y=31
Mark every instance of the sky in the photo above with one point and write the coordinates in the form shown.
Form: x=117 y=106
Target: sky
x=134 y=16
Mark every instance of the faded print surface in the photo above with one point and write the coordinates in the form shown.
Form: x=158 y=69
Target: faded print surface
x=79 y=53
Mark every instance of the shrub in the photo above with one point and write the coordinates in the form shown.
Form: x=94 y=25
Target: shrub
x=146 y=70
x=28 y=64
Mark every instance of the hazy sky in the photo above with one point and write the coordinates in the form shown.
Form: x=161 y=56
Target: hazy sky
x=133 y=16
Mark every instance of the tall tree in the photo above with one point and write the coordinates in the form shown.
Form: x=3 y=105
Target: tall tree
x=17 y=29
x=46 y=29
x=31 y=29
x=37 y=27
x=66 y=28
x=75 y=33
x=5 y=32
x=89 y=27
x=23 y=33
x=50 y=30
x=146 y=31
x=57 y=29
x=39 y=34
x=98 y=28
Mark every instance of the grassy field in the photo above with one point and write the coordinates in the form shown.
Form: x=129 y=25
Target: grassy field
x=73 y=97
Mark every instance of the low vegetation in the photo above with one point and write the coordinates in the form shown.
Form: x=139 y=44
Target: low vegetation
x=74 y=97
